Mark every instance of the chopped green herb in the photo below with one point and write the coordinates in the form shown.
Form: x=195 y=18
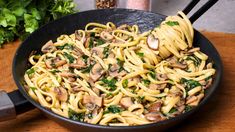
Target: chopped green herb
x=33 y=88
x=120 y=63
x=110 y=83
x=195 y=60
x=146 y=82
x=106 y=52
x=152 y=74
x=173 y=110
x=65 y=46
x=125 y=83
x=69 y=57
x=188 y=108
x=92 y=34
x=30 y=71
x=91 y=42
x=190 y=84
x=84 y=58
x=140 y=99
x=87 y=69
x=54 y=71
x=76 y=116
x=100 y=41
x=113 y=109
x=140 y=54
x=172 y=23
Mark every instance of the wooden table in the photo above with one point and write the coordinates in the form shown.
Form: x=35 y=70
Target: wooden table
x=217 y=115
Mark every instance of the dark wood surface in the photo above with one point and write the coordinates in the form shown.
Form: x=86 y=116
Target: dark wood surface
x=217 y=115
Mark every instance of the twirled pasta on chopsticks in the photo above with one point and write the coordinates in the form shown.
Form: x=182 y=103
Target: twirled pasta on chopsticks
x=117 y=76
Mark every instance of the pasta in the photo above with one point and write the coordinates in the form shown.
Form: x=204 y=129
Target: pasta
x=118 y=76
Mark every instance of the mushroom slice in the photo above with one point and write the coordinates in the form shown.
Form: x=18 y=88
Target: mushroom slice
x=153 y=43
x=55 y=62
x=161 y=77
x=80 y=64
x=92 y=99
x=155 y=107
x=157 y=86
x=66 y=74
x=106 y=35
x=98 y=51
x=96 y=72
x=48 y=47
x=61 y=93
x=174 y=63
x=155 y=117
x=126 y=102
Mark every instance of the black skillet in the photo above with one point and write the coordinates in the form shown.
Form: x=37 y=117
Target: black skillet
x=13 y=103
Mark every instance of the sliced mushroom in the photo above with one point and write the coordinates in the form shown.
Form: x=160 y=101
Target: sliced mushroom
x=48 y=47
x=191 y=99
x=96 y=90
x=77 y=89
x=79 y=64
x=126 y=102
x=153 y=43
x=93 y=100
x=209 y=65
x=106 y=35
x=174 y=63
x=155 y=117
x=55 y=62
x=98 y=51
x=78 y=52
x=181 y=108
x=162 y=77
x=114 y=71
x=61 y=93
x=155 y=107
x=66 y=74
x=96 y=72
x=157 y=86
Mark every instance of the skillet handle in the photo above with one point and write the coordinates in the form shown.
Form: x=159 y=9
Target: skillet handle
x=12 y=104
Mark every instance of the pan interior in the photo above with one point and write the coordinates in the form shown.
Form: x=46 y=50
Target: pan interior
x=67 y=25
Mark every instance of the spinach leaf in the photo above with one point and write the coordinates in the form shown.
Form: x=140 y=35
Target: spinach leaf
x=69 y=57
x=195 y=60
x=76 y=116
x=190 y=84
x=146 y=82
x=120 y=64
x=100 y=41
x=173 y=110
x=113 y=109
x=188 y=108
x=84 y=58
x=87 y=69
x=65 y=46
x=110 y=83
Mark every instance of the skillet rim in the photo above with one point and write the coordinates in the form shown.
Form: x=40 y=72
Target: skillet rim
x=183 y=116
